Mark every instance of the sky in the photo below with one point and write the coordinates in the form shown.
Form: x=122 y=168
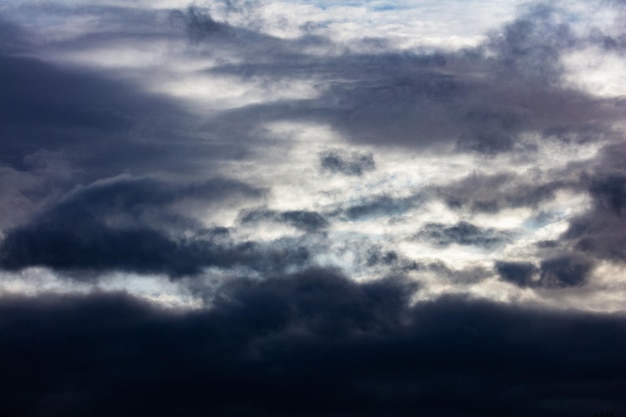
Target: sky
x=312 y=208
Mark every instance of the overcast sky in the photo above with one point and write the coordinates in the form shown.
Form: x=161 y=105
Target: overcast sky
x=312 y=208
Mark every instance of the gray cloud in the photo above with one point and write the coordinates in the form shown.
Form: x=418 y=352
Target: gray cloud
x=380 y=206
x=347 y=163
x=557 y=272
x=492 y=193
x=87 y=248
x=479 y=100
x=463 y=233
x=480 y=103
x=565 y=271
x=101 y=174
x=98 y=127
x=126 y=225
x=518 y=273
x=308 y=221
x=599 y=231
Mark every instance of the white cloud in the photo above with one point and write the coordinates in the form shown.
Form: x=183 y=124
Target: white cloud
x=596 y=71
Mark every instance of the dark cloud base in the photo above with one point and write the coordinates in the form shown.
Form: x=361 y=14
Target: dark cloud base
x=315 y=344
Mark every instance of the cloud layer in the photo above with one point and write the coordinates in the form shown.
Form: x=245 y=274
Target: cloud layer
x=311 y=208
x=312 y=344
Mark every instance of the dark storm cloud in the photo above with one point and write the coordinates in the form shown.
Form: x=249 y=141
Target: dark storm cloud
x=97 y=123
x=127 y=224
x=12 y=38
x=463 y=233
x=557 y=272
x=315 y=344
x=100 y=127
x=308 y=221
x=564 y=271
x=610 y=193
x=90 y=118
x=518 y=273
x=62 y=128
x=353 y=163
x=91 y=246
x=88 y=247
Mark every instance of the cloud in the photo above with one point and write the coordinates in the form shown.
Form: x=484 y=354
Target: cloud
x=93 y=124
x=518 y=273
x=500 y=105
x=463 y=233
x=495 y=192
x=599 y=230
x=347 y=164
x=610 y=193
x=127 y=224
x=557 y=272
x=201 y=26
x=482 y=100
x=92 y=249
x=316 y=343
x=305 y=220
x=564 y=271
x=342 y=221
x=381 y=206
x=67 y=128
